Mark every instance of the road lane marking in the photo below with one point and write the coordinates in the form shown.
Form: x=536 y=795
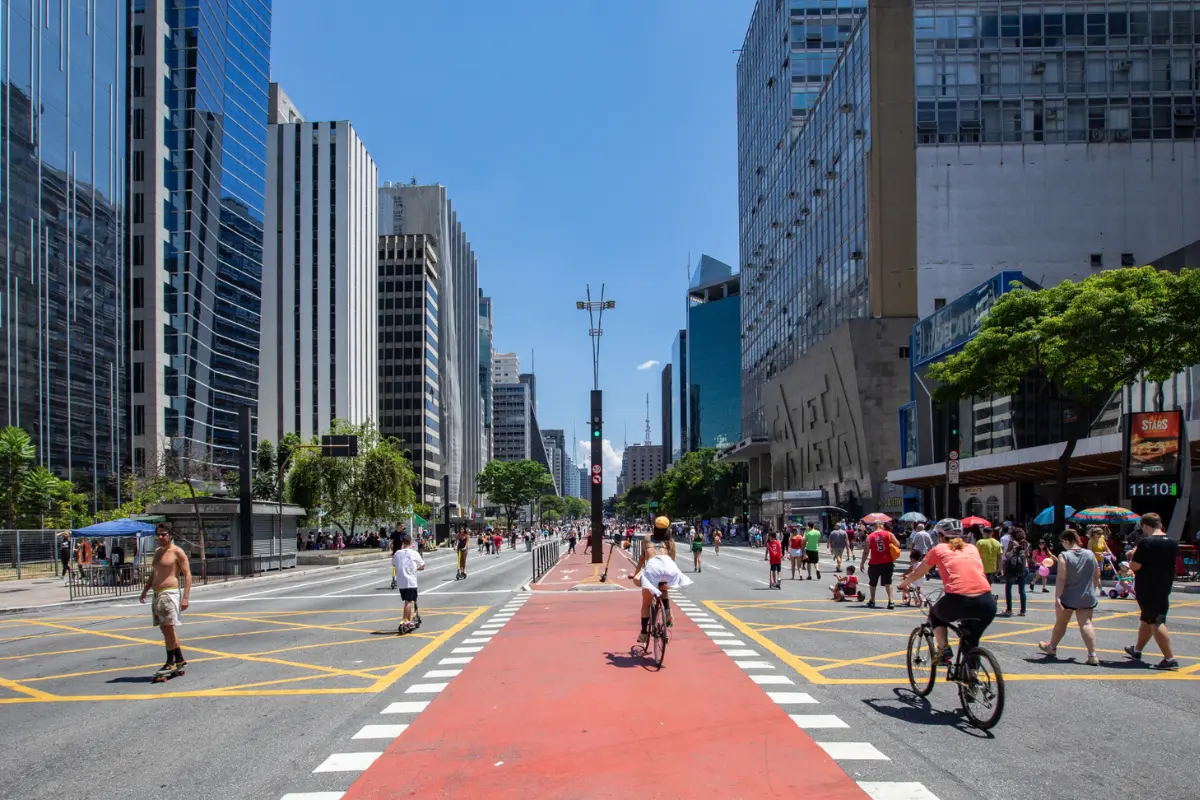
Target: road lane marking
x=852 y=751
x=313 y=796
x=503 y=563
x=755 y=664
x=814 y=721
x=406 y=707
x=896 y=790
x=357 y=573
x=442 y=673
x=466 y=650
x=426 y=688
x=476 y=641
x=347 y=762
x=789 y=698
x=460 y=660
x=380 y=732
x=771 y=680
x=741 y=653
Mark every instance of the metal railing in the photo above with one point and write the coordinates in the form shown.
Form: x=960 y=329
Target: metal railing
x=104 y=580
x=545 y=556
x=635 y=549
x=28 y=554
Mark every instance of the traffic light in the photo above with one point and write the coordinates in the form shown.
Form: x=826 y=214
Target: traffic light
x=596 y=427
x=953 y=420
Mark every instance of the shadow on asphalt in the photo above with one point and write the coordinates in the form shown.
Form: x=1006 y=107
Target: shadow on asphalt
x=1117 y=665
x=630 y=661
x=908 y=706
x=132 y=679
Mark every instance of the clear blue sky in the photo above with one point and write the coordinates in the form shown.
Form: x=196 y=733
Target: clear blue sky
x=580 y=140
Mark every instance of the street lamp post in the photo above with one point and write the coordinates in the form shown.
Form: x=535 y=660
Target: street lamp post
x=596 y=309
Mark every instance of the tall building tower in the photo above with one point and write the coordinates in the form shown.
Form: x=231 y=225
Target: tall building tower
x=667 y=401
x=714 y=325
x=410 y=389
x=62 y=237
x=556 y=439
x=320 y=266
x=486 y=353
x=506 y=368
x=198 y=195
x=413 y=209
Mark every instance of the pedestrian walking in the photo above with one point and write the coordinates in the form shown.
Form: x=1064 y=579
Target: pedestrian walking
x=812 y=550
x=571 y=542
x=838 y=541
x=1153 y=566
x=882 y=550
x=1040 y=554
x=169 y=564
x=990 y=553
x=796 y=551
x=1015 y=567
x=64 y=552
x=697 y=549
x=774 y=557
x=1076 y=591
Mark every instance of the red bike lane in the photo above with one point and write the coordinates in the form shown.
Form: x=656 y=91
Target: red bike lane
x=556 y=707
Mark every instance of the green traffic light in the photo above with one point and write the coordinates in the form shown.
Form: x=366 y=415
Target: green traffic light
x=595 y=433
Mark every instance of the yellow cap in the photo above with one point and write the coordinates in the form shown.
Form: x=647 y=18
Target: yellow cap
x=662 y=523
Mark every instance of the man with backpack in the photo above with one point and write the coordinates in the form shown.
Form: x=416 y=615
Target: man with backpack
x=881 y=550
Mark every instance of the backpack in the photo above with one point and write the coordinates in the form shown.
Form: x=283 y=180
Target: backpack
x=1016 y=561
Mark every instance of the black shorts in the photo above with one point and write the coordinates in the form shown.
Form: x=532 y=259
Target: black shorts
x=408 y=595
x=880 y=573
x=1154 y=607
x=776 y=567
x=953 y=608
x=812 y=556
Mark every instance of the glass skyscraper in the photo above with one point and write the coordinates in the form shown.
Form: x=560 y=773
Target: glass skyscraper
x=714 y=353
x=62 y=239
x=197 y=220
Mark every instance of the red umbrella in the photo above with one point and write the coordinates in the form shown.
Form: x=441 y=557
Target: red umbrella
x=969 y=521
x=878 y=516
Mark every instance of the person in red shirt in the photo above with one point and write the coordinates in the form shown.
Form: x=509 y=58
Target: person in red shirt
x=775 y=558
x=796 y=551
x=846 y=586
x=882 y=564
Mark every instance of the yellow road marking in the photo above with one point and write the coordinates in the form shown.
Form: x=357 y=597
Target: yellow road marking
x=424 y=652
x=793 y=661
x=33 y=694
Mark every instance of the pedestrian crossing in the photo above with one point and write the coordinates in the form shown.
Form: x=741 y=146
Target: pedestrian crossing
x=766 y=674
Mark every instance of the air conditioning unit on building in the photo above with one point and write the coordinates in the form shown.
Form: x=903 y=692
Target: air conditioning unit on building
x=1096 y=135
x=1121 y=135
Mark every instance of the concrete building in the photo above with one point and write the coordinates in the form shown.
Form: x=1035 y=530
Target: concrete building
x=585 y=484
x=571 y=475
x=666 y=400
x=413 y=209
x=506 y=368
x=639 y=463
x=280 y=107
x=885 y=203
x=511 y=422
x=410 y=387
x=63 y=241
x=679 y=396
x=557 y=441
x=714 y=326
x=486 y=356
x=199 y=186
x=318 y=348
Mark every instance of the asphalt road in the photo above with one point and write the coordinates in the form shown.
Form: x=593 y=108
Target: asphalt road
x=1068 y=730
x=281 y=674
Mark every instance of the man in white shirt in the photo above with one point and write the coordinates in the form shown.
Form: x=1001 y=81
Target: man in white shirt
x=408 y=563
x=920 y=542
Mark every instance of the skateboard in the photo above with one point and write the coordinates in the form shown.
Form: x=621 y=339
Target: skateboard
x=164 y=675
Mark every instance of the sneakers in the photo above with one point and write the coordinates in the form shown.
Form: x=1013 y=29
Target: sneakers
x=1047 y=649
x=890 y=605
x=947 y=656
x=818 y=574
x=870 y=604
x=643 y=638
x=1167 y=663
x=1092 y=661
x=1136 y=655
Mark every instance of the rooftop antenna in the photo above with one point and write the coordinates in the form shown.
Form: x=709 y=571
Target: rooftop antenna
x=648 y=442
x=414 y=180
x=626 y=445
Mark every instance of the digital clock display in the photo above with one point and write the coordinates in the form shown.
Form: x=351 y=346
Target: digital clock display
x=1153 y=489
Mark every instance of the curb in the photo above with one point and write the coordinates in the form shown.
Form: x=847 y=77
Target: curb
x=271 y=576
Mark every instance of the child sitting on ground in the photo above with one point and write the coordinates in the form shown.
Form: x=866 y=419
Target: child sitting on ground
x=846 y=586
x=912 y=596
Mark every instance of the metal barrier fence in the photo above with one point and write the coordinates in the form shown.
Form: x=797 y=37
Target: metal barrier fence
x=545 y=556
x=103 y=580
x=635 y=549
x=28 y=554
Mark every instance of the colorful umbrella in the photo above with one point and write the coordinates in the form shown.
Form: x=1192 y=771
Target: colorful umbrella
x=878 y=516
x=969 y=521
x=914 y=516
x=1046 y=517
x=1106 y=514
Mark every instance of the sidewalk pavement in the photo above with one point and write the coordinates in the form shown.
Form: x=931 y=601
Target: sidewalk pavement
x=556 y=707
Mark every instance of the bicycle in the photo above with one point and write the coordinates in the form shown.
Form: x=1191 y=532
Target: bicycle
x=977 y=673
x=657 y=628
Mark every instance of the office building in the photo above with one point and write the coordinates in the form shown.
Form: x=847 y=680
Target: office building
x=280 y=107
x=198 y=198
x=505 y=368
x=679 y=395
x=556 y=440
x=585 y=483
x=413 y=209
x=538 y=451
x=884 y=203
x=409 y=336
x=486 y=354
x=318 y=348
x=665 y=399
x=571 y=475
x=511 y=422
x=63 y=233
x=714 y=326
x=639 y=463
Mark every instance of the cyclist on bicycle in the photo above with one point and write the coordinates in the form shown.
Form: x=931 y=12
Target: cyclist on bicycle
x=657 y=572
x=968 y=595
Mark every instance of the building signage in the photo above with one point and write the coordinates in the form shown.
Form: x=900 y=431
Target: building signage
x=1152 y=444
x=956 y=323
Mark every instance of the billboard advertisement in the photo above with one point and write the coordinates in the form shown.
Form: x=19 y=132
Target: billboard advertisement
x=1152 y=445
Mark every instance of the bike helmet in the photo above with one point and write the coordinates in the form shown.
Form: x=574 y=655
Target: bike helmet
x=662 y=523
x=949 y=527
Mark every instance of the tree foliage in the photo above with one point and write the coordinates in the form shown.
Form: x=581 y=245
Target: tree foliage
x=576 y=508
x=512 y=484
x=697 y=486
x=16 y=460
x=376 y=486
x=1082 y=342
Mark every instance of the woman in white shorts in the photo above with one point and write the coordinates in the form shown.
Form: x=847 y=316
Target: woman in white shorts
x=657 y=572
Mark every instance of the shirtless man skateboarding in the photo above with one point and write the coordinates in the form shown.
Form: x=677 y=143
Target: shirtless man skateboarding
x=169 y=563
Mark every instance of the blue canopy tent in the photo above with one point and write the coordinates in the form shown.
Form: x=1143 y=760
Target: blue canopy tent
x=117 y=527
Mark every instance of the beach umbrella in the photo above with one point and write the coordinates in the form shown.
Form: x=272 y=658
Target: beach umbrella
x=914 y=516
x=878 y=516
x=1112 y=515
x=969 y=521
x=1046 y=517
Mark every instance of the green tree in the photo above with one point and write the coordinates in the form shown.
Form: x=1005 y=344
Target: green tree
x=1078 y=344
x=576 y=508
x=512 y=484
x=16 y=459
x=698 y=486
x=265 y=478
x=373 y=487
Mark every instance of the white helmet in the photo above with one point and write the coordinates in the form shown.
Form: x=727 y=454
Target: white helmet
x=948 y=527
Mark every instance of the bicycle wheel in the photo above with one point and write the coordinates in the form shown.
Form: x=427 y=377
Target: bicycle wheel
x=981 y=691
x=922 y=661
x=658 y=634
